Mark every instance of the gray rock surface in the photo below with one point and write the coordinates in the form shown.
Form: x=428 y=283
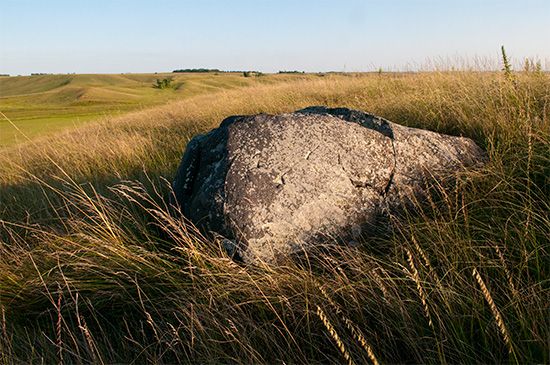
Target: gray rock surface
x=273 y=184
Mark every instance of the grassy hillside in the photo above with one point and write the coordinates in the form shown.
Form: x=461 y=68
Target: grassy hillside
x=93 y=269
x=45 y=104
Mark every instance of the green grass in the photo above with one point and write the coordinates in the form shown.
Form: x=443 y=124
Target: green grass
x=45 y=104
x=40 y=126
x=94 y=269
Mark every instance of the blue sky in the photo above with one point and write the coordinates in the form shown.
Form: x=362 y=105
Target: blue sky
x=112 y=36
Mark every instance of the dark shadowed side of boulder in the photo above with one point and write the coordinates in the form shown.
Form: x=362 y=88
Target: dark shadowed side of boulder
x=273 y=184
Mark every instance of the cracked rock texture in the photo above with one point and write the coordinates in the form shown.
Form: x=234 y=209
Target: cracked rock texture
x=273 y=184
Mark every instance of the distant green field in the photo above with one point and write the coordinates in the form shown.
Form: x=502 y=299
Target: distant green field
x=44 y=104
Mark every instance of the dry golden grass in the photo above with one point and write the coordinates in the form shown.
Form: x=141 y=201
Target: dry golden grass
x=335 y=336
x=94 y=269
x=496 y=313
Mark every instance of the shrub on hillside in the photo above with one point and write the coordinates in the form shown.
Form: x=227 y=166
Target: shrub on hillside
x=163 y=84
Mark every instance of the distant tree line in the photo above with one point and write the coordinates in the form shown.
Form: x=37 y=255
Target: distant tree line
x=248 y=73
x=292 y=72
x=199 y=70
x=252 y=73
x=4 y=75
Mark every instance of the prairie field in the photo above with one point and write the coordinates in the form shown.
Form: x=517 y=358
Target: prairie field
x=95 y=269
x=45 y=104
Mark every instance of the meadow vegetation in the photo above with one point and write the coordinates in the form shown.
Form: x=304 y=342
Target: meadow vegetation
x=94 y=269
x=46 y=104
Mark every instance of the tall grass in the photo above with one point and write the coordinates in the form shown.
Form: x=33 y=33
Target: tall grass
x=94 y=269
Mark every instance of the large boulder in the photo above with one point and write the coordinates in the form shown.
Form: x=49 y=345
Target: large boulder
x=274 y=184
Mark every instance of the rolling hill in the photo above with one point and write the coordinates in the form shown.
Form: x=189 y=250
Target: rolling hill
x=44 y=104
